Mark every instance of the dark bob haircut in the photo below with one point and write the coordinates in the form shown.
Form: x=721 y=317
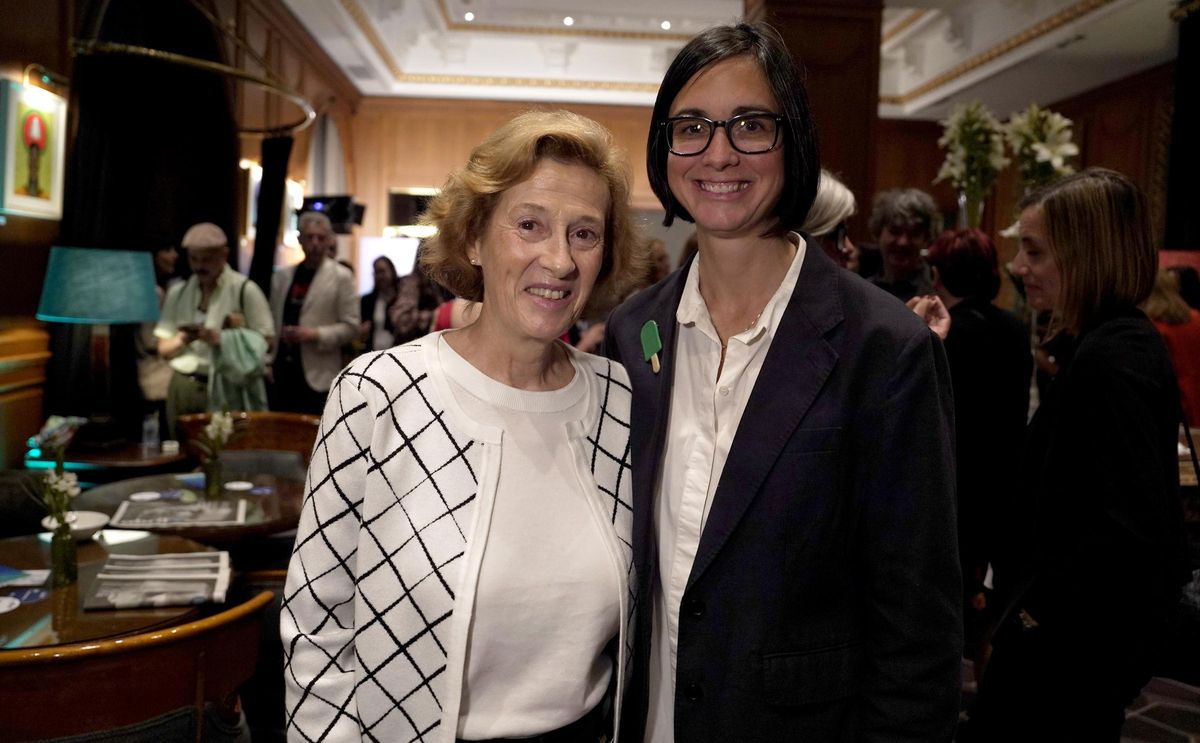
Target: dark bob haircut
x=966 y=263
x=801 y=161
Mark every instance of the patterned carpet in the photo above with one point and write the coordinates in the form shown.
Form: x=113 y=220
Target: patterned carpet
x=1167 y=710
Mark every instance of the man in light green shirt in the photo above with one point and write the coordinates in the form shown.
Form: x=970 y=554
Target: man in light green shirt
x=214 y=331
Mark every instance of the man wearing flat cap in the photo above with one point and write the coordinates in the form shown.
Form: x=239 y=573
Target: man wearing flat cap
x=214 y=331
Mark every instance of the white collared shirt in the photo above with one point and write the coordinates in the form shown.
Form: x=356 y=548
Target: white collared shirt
x=704 y=416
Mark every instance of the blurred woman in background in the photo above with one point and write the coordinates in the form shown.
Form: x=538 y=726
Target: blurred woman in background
x=377 y=330
x=1093 y=552
x=1180 y=328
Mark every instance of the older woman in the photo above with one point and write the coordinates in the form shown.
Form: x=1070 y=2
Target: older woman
x=461 y=567
x=1095 y=548
x=793 y=487
x=826 y=220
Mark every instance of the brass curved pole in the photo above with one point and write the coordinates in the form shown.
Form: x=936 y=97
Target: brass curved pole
x=94 y=46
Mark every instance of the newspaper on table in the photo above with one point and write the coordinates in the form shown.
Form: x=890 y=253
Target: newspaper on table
x=161 y=514
x=134 y=581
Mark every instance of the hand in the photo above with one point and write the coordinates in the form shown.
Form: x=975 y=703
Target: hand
x=930 y=309
x=403 y=314
x=211 y=336
x=298 y=334
x=1046 y=363
x=235 y=320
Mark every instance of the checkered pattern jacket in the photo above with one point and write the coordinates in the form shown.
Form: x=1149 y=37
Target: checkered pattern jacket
x=379 y=593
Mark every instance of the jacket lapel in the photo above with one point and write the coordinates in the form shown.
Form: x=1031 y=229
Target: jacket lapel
x=793 y=373
x=662 y=311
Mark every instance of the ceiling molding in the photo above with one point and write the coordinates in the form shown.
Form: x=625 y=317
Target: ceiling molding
x=901 y=25
x=1036 y=31
x=931 y=51
x=597 y=33
x=528 y=82
x=359 y=16
x=364 y=25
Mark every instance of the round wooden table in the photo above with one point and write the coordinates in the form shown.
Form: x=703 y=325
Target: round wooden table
x=54 y=616
x=272 y=504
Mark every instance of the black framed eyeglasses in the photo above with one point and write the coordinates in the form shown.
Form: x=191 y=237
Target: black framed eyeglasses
x=749 y=134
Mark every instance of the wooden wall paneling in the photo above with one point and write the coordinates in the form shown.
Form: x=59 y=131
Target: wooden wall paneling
x=24 y=352
x=838 y=43
x=398 y=143
x=1125 y=126
x=907 y=156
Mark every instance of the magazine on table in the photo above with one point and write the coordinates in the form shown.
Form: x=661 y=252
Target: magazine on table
x=134 y=581
x=159 y=514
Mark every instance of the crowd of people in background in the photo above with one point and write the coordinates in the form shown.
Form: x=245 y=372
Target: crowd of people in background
x=847 y=464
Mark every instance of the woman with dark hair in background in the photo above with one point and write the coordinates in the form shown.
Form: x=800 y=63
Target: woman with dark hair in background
x=377 y=330
x=793 y=488
x=990 y=366
x=1094 y=551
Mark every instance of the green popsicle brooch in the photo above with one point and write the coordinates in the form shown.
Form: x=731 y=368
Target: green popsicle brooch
x=651 y=344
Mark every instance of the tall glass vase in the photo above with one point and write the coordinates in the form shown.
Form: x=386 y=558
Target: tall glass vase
x=970 y=210
x=64 y=560
x=213 y=477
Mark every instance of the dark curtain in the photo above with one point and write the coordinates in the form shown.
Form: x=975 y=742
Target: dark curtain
x=156 y=150
x=1183 y=190
x=275 y=154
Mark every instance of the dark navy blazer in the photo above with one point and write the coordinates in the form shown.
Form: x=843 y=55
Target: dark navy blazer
x=824 y=600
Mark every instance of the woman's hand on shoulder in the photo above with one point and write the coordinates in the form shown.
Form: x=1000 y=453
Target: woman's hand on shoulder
x=933 y=312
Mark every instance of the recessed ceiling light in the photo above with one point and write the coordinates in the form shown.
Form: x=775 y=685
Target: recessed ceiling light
x=468 y=16
x=568 y=21
x=666 y=25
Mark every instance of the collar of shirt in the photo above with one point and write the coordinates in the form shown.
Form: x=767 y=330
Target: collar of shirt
x=692 y=311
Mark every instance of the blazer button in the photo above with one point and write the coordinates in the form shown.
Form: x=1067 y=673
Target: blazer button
x=695 y=608
x=692 y=692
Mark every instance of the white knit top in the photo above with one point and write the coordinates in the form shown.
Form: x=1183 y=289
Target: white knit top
x=547 y=601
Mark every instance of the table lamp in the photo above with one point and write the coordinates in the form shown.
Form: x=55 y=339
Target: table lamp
x=95 y=286
x=99 y=287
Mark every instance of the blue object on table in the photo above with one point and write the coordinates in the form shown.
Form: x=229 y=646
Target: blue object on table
x=192 y=479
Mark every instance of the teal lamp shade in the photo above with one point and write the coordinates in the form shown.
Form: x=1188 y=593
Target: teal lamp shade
x=97 y=286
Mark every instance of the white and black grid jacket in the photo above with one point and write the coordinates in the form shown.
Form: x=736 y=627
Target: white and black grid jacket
x=382 y=579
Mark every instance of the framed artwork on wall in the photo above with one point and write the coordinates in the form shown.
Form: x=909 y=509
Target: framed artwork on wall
x=33 y=135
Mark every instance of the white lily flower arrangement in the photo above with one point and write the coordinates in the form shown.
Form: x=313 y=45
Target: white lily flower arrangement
x=1040 y=140
x=974 y=142
x=217 y=433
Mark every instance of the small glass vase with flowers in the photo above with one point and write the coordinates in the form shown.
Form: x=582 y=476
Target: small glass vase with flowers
x=219 y=431
x=56 y=490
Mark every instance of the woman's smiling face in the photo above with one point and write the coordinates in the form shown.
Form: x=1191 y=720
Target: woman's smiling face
x=542 y=251
x=728 y=193
x=1035 y=262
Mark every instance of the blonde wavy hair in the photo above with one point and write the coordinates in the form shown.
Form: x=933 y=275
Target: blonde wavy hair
x=508 y=157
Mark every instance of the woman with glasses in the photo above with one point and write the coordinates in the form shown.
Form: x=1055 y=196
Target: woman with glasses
x=792 y=429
